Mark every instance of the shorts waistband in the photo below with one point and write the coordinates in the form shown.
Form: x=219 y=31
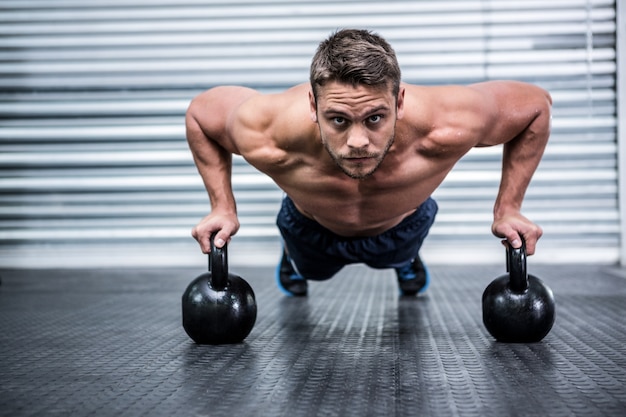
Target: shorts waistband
x=409 y=221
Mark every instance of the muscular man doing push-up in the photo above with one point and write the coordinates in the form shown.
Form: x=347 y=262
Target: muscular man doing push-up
x=358 y=154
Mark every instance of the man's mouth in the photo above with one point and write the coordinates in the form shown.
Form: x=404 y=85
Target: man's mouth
x=359 y=157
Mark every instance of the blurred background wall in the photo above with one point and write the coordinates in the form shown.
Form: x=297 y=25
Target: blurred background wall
x=95 y=170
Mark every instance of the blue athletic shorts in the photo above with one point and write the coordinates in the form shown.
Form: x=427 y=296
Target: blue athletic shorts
x=318 y=254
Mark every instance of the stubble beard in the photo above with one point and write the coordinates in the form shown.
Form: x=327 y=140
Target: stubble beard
x=358 y=173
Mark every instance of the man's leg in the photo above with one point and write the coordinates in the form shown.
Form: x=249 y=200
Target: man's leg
x=304 y=257
x=399 y=248
x=289 y=281
x=414 y=277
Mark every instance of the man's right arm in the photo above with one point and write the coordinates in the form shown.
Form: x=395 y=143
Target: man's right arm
x=212 y=145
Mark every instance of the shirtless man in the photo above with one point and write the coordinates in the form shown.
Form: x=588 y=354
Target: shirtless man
x=358 y=154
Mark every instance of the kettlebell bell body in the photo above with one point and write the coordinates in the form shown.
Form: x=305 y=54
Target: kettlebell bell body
x=518 y=307
x=218 y=307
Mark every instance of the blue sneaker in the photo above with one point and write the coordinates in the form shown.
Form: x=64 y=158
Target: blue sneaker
x=413 y=278
x=288 y=280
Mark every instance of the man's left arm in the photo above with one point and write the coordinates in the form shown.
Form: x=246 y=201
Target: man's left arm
x=522 y=124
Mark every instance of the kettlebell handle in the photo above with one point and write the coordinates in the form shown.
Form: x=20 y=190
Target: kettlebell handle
x=516 y=267
x=218 y=265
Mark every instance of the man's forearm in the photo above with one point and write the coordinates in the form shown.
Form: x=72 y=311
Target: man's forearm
x=214 y=164
x=217 y=181
x=521 y=157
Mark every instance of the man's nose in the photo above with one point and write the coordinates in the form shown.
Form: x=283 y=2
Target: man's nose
x=358 y=139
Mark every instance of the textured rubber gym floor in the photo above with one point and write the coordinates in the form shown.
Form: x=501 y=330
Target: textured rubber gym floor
x=110 y=343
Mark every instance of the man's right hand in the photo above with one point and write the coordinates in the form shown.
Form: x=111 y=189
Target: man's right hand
x=223 y=225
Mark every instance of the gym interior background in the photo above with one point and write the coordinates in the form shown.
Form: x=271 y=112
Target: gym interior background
x=98 y=194
x=95 y=170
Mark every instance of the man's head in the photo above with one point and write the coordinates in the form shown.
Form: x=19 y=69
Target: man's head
x=356 y=57
x=356 y=99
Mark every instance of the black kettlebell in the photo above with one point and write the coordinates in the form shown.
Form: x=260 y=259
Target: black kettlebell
x=518 y=307
x=218 y=307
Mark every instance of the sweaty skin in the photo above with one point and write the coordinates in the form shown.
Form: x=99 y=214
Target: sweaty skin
x=357 y=160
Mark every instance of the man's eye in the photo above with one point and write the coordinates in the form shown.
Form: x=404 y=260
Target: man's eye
x=339 y=120
x=375 y=119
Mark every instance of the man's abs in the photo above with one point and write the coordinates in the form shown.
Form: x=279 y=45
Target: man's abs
x=354 y=220
x=350 y=207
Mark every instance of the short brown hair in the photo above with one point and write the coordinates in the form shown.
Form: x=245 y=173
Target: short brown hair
x=356 y=57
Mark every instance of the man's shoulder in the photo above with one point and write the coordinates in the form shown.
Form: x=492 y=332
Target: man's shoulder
x=269 y=107
x=441 y=121
x=274 y=128
x=283 y=116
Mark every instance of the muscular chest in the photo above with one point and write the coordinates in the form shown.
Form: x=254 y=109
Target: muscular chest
x=361 y=207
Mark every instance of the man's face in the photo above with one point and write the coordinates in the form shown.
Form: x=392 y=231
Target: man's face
x=357 y=124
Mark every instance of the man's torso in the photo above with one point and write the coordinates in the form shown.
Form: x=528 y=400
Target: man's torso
x=414 y=167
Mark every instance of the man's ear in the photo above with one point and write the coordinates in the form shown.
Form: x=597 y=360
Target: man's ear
x=313 y=107
x=400 y=105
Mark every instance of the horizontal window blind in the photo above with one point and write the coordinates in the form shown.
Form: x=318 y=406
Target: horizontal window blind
x=94 y=163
